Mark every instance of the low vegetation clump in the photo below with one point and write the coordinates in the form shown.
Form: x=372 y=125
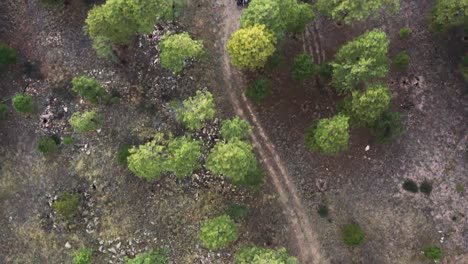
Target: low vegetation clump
x=322 y=210
x=184 y=155
x=426 y=187
x=237 y=211
x=177 y=48
x=90 y=89
x=401 y=60
x=196 y=110
x=433 y=252
x=7 y=55
x=235 y=128
x=460 y=188
x=83 y=256
x=236 y=161
x=387 y=127
x=157 y=256
x=329 y=135
x=257 y=255
x=3 y=111
x=303 y=67
x=405 y=33
x=410 y=186
x=46 y=145
x=368 y=106
x=218 y=233
x=122 y=154
x=85 y=122
x=66 y=205
x=259 y=90
x=250 y=47
x=67 y=140
x=23 y=103
x=353 y=235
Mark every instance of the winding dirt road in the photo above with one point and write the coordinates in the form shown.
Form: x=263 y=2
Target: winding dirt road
x=307 y=242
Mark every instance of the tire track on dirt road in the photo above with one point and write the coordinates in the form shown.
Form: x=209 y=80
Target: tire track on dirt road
x=306 y=240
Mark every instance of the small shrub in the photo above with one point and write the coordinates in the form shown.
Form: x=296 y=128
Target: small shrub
x=426 y=187
x=66 y=205
x=259 y=90
x=83 y=256
x=257 y=255
x=176 y=49
x=86 y=121
x=303 y=67
x=460 y=188
x=46 y=145
x=33 y=70
x=23 y=103
x=353 y=235
x=67 y=140
x=322 y=210
x=7 y=55
x=3 y=111
x=149 y=161
x=218 y=233
x=410 y=186
x=196 y=110
x=235 y=128
x=184 y=154
x=387 y=127
x=157 y=256
x=433 y=252
x=237 y=211
x=329 y=135
x=90 y=89
x=122 y=154
x=405 y=33
x=401 y=60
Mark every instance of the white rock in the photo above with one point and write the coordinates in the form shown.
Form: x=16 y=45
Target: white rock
x=367 y=148
x=67 y=245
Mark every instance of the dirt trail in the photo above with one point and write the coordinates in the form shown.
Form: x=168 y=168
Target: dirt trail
x=307 y=242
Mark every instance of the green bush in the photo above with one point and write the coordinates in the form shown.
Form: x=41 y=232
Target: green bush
x=303 y=67
x=235 y=128
x=7 y=55
x=351 y=11
x=401 y=60
x=236 y=161
x=3 y=111
x=322 y=210
x=67 y=140
x=329 y=135
x=433 y=252
x=218 y=233
x=353 y=235
x=196 y=110
x=237 y=211
x=447 y=14
x=177 y=48
x=259 y=90
x=46 y=145
x=405 y=33
x=149 y=161
x=83 y=256
x=368 y=106
x=157 y=256
x=66 y=205
x=122 y=154
x=23 y=103
x=387 y=127
x=426 y=187
x=257 y=255
x=460 y=188
x=410 y=186
x=86 y=121
x=184 y=155
x=325 y=71
x=90 y=89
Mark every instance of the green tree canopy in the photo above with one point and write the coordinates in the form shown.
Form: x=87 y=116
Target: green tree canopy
x=23 y=103
x=184 y=155
x=235 y=160
x=361 y=60
x=257 y=255
x=263 y=12
x=149 y=161
x=448 y=13
x=90 y=89
x=368 y=106
x=176 y=48
x=120 y=20
x=295 y=15
x=7 y=55
x=349 y=11
x=235 y=128
x=329 y=135
x=86 y=121
x=303 y=67
x=196 y=110
x=250 y=47
x=218 y=233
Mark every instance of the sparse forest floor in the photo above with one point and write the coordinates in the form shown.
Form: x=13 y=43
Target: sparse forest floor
x=122 y=215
